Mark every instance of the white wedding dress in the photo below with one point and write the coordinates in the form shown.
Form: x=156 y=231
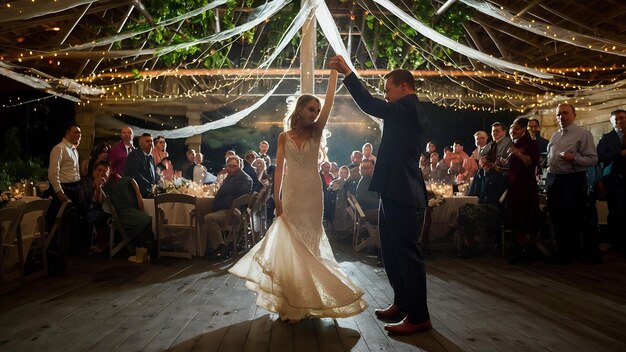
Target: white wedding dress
x=293 y=268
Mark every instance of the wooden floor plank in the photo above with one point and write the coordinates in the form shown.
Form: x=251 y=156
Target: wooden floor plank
x=482 y=304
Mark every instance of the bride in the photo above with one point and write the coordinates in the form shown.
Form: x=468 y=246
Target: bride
x=293 y=268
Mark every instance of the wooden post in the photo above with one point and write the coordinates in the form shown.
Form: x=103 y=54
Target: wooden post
x=194 y=142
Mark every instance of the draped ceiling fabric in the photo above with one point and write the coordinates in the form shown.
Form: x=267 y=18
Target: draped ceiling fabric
x=24 y=10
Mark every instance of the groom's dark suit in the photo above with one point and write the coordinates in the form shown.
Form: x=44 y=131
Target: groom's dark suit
x=141 y=167
x=398 y=179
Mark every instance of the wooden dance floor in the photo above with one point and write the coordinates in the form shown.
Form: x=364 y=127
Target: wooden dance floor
x=482 y=304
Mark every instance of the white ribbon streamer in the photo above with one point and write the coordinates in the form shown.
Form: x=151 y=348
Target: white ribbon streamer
x=460 y=48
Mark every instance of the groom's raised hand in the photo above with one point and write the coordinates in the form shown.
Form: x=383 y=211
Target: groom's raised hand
x=339 y=64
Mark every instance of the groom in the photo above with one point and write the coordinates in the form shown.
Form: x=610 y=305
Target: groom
x=398 y=179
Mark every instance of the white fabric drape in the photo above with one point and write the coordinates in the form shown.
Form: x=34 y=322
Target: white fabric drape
x=460 y=48
x=26 y=9
x=548 y=30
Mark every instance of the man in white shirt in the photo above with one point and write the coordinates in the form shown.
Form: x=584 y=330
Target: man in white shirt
x=64 y=177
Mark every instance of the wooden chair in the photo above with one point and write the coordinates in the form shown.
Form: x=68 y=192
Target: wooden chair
x=363 y=226
x=168 y=229
x=263 y=208
x=115 y=225
x=9 y=219
x=237 y=229
x=256 y=214
x=31 y=227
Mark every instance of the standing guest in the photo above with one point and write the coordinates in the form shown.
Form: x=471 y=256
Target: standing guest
x=140 y=166
x=64 y=177
x=264 y=147
x=189 y=165
x=481 y=140
x=425 y=167
x=99 y=153
x=431 y=147
x=468 y=164
x=403 y=194
x=570 y=152
x=292 y=268
x=438 y=169
x=534 y=128
x=366 y=152
x=199 y=171
x=120 y=150
x=612 y=153
x=522 y=197
x=162 y=158
x=500 y=146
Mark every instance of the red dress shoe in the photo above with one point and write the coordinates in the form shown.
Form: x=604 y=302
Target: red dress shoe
x=405 y=327
x=391 y=314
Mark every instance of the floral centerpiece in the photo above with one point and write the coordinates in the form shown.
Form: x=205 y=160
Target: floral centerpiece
x=180 y=185
x=436 y=192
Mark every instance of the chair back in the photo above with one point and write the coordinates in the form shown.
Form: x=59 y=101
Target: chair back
x=171 y=229
x=33 y=218
x=8 y=225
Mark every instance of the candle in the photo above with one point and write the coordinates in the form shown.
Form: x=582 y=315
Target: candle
x=34 y=191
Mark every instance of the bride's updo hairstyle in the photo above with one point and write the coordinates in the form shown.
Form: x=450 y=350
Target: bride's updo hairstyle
x=293 y=105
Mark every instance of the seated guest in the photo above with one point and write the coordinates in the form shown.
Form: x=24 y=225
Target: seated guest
x=261 y=173
x=126 y=199
x=366 y=198
x=366 y=152
x=162 y=158
x=334 y=169
x=353 y=180
x=120 y=150
x=249 y=157
x=475 y=220
x=99 y=153
x=431 y=147
x=199 y=171
x=188 y=166
x=140 y=166
x=96 y=216
x=341 y=222
x=236 y=184
x=228 y=154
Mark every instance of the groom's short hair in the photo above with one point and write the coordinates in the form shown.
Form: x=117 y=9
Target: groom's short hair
x=402 y=76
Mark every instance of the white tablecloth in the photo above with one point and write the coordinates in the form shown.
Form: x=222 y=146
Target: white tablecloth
x=179 y=214
x=444 y=216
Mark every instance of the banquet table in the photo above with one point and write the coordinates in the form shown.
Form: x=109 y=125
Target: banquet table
x=179 y=213
x=444 y=217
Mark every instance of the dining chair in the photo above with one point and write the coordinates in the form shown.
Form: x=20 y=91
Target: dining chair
x=364 y=227
x=173 y=233
x=9 y=218
x=255 y=213
x=31 y=237
x=115 y=226
x=237 y=229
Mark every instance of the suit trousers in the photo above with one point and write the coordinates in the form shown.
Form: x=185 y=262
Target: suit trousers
x=567 y=197
x=400 y=227
x=214 y=222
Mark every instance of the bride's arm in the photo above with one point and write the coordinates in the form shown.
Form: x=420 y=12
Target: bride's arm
x=328 y=101
x=278 y=173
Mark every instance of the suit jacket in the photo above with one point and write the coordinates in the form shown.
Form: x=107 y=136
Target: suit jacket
x=542 y=143
x=234 y=186
x=397 y=174
x=142 y=170
x=613 y=164
x=248 y=169
x=117 y=157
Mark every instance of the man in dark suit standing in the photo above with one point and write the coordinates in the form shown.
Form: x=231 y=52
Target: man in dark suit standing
x=140 y=165
x=398 y=179
x=612 y=154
